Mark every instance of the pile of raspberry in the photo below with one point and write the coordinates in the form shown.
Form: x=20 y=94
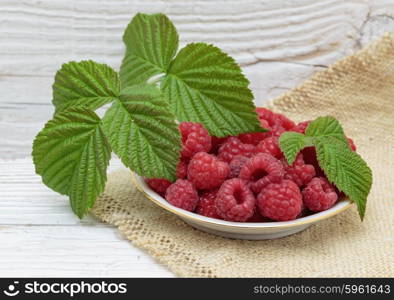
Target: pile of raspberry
x=246 y=178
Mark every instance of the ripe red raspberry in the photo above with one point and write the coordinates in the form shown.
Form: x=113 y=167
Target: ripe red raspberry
x=159 y=185
x=270 y=146
x=236 y=165
x=206 y=205
x=266 y=114
x=310 y=158
x=352 y=145
x=277 y=130
x=278 y=123
x=301 y=127
x=182 y=194
x=234 y=147
x=181 y=169
x=299 y=172
x=206 y=172
x=216 y=143
x=256 y=137
x=235 y=201
x=284 y=122
x=280 y=201
x=261 y=170
x=319 y=194
x=252 y=138
x=264 y=124
x=195 y=138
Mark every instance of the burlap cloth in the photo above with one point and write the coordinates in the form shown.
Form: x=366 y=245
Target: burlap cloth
x=359 y=91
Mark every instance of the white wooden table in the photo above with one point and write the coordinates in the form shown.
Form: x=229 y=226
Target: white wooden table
x=278 y=43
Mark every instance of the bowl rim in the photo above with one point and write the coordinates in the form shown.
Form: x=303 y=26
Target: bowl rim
x=140 y=184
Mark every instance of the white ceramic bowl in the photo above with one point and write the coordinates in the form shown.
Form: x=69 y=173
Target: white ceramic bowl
x=238 y=230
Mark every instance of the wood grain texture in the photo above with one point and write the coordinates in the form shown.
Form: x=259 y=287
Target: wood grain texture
x=40 y=236
x=278 y=43
x=25 y=200
x=61 y=251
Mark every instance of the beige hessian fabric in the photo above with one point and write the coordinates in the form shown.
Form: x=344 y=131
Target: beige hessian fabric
x=359 y=91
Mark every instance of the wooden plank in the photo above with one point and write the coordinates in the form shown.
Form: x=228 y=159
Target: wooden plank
x=40 y=35
x=40 y=236
x=82 y=251
x=25 y=200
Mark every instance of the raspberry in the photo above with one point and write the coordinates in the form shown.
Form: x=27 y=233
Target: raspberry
x=195 y=138
x=319 y=194
x=159 y=185
x=264 y=124
x=267 y=115
x=234 y=147
x=252 y=138
x=301 y=127
x=310 y=158
x=352 y=145
x=299 y=172
x=181 y=169
x=217 y=142
x=182 y=194
x=256 y=137
x=261 y=170
x=284 y=122
x=276 y=122
x=206 y=205
x=280 y=201
x=236 y=165
x=270 y=146
x=206 y=172
x=235 y=201
x=277 y=130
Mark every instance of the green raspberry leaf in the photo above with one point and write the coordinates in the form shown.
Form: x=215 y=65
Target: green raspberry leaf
x=206 y=85
x=326 y=127
x=343 y=167
x=203 y=84
x=142 y=132
x=291 y=143
x=151 y=43
x=85 y=83
x=71 y=154
x=346 y=169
